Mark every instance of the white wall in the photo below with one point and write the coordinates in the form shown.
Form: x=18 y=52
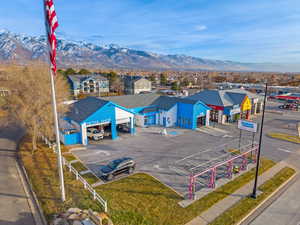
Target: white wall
x=171 y=114
x=207 y=118
x=83 y=134
x=123 y=116
x=220 y=116
x=139 y=120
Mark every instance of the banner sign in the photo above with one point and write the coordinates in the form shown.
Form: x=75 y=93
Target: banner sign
x=247 y=125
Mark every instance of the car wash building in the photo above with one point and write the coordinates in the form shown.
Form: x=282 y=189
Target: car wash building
x=93 y=112
x=156 y=110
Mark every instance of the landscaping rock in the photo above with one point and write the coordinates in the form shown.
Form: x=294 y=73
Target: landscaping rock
x=75 y=216
x=74 y=210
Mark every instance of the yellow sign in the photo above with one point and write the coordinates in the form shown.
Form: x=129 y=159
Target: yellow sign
x=246 y=105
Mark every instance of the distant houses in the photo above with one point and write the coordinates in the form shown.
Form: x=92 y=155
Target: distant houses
x=93 y=84
x=136 y=85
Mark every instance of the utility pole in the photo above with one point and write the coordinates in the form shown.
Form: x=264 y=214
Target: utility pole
x=259 y=146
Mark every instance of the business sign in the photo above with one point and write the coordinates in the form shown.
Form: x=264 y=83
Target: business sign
x=247 y=125
x=235 y=111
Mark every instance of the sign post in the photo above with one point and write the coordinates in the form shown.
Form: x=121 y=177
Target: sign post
x=248 y=126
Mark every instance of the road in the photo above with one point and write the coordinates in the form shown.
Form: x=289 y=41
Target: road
x=14 y=205
x=286 y=209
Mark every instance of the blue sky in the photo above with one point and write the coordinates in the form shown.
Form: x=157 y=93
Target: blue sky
x=239 y=30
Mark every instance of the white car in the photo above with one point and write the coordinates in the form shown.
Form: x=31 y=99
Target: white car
x=95 y=134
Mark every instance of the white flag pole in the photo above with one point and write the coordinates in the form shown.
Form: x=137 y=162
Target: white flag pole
x=58 y=149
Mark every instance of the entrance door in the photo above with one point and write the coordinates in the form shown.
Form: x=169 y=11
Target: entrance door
x=165 y=122
x=149 y=120
x=201 y=121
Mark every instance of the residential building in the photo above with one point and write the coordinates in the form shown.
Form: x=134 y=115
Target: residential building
x=94 y=84
x=136 y=85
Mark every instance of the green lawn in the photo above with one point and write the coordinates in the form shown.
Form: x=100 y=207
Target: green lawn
x=244 y=206
x=79 y=166
x=69 y=157
x=136 y=200
x=90 y=178
x=147 y=201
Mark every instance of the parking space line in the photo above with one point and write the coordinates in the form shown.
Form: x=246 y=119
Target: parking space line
x=192 y=155
x=284 y=150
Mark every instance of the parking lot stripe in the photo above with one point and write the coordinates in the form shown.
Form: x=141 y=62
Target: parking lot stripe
x=284 y=150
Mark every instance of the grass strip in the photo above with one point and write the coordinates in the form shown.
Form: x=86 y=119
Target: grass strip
x=69 y=157
x=79 y=166
x=285 y=137
x=90 y=178
x=244 y=206
x=42 y=171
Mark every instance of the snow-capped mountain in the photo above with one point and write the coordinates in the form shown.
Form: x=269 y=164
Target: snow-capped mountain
x=23 y=48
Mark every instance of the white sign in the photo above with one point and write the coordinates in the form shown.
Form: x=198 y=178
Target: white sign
x=247 y=125
x=235 y=111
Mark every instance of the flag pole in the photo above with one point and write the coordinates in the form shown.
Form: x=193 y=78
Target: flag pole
x=51 y=24
x=58 y=149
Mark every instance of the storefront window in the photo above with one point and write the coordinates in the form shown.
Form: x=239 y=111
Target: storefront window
x=214 y=114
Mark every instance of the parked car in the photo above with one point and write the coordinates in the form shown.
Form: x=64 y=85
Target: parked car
x=95 y=134
x=289 y=106
x=123 y=127
x=117 y=166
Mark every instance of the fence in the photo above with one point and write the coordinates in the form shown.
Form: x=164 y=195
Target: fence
x=86 y=185
x=228 y=163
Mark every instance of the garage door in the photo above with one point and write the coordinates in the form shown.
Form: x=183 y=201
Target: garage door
x=123 y=120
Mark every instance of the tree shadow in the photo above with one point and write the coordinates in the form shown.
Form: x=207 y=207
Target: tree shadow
x=24 y=219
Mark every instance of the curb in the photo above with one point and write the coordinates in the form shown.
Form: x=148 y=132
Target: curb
x=37 y=212
x=246 y=220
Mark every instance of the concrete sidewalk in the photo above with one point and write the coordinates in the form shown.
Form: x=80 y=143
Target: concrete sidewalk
x=217 y=209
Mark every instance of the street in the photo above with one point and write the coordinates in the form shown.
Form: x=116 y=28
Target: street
x=286 y=209
x=14 y=206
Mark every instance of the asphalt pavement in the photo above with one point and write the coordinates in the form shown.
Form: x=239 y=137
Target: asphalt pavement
x=14 y=202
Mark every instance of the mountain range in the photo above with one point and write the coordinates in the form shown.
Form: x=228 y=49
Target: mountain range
x=24 y=48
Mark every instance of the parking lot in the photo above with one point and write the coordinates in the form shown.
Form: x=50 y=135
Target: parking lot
x=171 y=158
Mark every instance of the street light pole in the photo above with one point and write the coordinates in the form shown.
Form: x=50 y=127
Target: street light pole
x=259 y=146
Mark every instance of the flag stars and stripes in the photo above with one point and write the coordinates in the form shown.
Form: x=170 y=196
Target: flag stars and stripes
x=51 y=26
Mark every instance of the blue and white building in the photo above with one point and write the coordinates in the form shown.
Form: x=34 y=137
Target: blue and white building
x=133 y=110
x=153 y=109
x=94 y=112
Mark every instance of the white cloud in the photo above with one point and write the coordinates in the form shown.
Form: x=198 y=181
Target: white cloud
x=200 y=27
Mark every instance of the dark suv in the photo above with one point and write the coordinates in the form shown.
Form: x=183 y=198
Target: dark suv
x=117 y=166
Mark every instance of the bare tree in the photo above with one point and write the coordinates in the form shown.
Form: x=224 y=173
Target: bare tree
x=30 y=102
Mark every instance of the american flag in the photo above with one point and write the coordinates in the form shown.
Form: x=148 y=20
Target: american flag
x=51 y=25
